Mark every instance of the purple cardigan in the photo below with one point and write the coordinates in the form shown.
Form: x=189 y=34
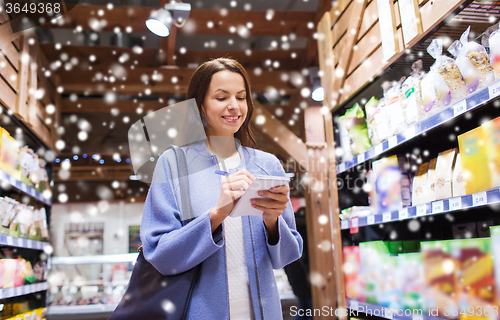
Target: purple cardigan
x=173 y=248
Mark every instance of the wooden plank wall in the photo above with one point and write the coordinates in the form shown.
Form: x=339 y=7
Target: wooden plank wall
x=25 y=87
x=355 y=63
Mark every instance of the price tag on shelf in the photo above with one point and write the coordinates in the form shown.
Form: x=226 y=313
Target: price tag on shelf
x=386 y=217
x=370 y=219
x=403 y=213
x=10 y=241
x=29 y=244
x=479 y=199
x=379 y=148
x=459 y=107
x=421 y=210
x=437 y=206
x=456 y=203
x=410 y=132
x=494 y=90
x=393 y=141
x=24 y=243
x=12 y=180
x=1 y=293
x=344 y=224
x=354 y=304
x=355 y=225
x=361 y=157
x=18 y=291
x=342 y=167
x=24 y=187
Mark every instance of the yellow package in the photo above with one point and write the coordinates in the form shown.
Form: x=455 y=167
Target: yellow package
x=491 y=130
x=476 y=174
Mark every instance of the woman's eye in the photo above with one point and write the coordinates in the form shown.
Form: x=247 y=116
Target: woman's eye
x=221 y=99
x=241 y=98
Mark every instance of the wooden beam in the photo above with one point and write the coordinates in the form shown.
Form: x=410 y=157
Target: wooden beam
x=281 y=23
x=317 y=218
x=84 y=81
x=277 y=132
x=95 y=174
x=311 y=57
x=150 y=57
x=99 y=106
x=338 y=257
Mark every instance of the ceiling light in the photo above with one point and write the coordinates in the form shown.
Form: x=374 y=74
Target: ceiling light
x=160 y=21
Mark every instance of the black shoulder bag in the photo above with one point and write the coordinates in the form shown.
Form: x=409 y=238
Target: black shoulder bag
x=150 y=294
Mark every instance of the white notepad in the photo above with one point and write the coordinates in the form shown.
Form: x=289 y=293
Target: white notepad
x=244 y=206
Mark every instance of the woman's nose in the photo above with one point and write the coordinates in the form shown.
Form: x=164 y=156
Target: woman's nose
x=233 y=103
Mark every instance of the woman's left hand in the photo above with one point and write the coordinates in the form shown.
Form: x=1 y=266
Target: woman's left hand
x=272 y=209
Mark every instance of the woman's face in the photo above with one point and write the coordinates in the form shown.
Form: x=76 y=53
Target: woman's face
x=225 y=104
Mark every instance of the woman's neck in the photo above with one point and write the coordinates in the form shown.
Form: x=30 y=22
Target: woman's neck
x=221 y=146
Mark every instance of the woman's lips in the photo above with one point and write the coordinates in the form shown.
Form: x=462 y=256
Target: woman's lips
x=231 y=121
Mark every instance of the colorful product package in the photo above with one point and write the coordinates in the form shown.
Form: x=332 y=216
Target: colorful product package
x=356 y=211
x=345 y=140
x=352 y=273
x=371 y=110
x=494 y=44
x=476 y=279
x=412 y=89
x=388 y=293
x=491 y=131
x=475 y=162
x=370 y=255
x=410 y=277
x=457 y=184
x=473 y=62
x=358 y=132
x=385 y=194
x=419 y=185
x=381 y=120
x=8 y=154
x=444 y=174
x=448 y=80
x=440 y=277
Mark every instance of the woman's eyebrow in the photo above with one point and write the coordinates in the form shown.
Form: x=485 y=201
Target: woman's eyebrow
x=225 y=91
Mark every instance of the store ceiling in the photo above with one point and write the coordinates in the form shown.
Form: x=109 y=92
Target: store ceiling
x=92 y=43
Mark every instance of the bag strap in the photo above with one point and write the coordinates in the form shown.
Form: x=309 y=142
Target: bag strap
x=182 y=171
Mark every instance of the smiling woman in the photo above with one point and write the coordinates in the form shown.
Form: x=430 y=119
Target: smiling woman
x=236 y=254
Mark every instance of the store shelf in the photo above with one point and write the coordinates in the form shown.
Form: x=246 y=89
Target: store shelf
x=112 y=258
x=388 y=313
x=23 y=187
x=81 y=310
x=478 y=199
x=473 y=101
x=22 y=243
x=22 y=290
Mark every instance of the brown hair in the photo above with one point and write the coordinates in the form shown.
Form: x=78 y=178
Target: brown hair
x=198 y=87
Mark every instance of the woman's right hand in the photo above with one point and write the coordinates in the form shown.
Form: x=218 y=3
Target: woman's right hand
x=233 y=187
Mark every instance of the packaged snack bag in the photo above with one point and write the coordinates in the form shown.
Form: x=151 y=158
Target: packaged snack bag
x=395 y=108
x=381 y=120
x=458 y=178
x=473 y=62
x=410 y=276
x=358 y=131
x=412 y=89
x=448 y=80
x=444 y=174
x=371 y=110
x=430 y=99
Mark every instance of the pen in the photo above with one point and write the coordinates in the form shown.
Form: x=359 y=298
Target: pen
x=222 y=173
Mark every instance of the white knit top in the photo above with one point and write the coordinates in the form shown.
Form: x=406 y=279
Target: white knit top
x=240 y=302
